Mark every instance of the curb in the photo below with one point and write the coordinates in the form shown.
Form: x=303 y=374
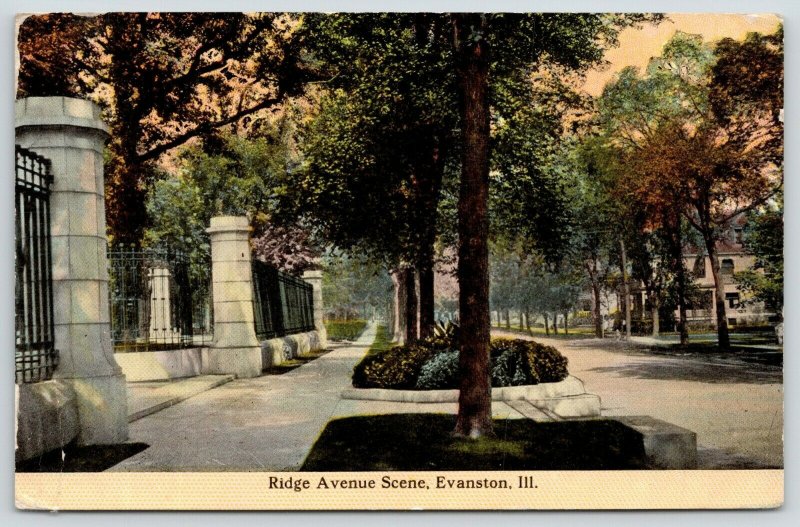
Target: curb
x=177 y=392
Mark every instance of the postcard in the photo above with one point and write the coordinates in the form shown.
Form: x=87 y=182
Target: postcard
x=400 y=261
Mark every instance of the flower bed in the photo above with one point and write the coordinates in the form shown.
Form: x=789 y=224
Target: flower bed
x=432 y=364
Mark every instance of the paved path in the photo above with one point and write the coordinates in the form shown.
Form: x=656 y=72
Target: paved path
x=735 y=407
x=268 y=423
x=265 y=423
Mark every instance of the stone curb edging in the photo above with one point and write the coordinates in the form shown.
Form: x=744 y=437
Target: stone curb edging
x=177 y=393
x=567 y=398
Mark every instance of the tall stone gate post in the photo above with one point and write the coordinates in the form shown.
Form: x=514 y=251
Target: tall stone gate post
x=235 y=348
x=314 y=277
x=71 y=134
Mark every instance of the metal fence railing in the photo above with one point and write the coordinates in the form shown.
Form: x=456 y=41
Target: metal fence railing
x=282 y=304
x=35 y=353
x=158 y=299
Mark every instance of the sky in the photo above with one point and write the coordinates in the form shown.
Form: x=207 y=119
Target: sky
x=637 y=46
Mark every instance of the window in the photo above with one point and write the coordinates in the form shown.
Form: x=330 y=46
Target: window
x=737 y=235
x=732 y=299
x=699 y=267
x=726 y=266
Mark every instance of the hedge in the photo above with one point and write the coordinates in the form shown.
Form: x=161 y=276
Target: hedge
x=345 y=329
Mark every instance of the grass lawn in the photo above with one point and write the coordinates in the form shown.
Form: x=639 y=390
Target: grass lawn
x=382 y=342
x=94 y=458
x=424 y=442
x=574 y=333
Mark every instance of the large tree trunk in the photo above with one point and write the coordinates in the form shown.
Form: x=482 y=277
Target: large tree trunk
x=555 y=323
x=475 y=397
x=596 y=315
x=673 y=227
x=411 y=329
x=508 y=318
x=528 y=320
x=719 y=295
x=399 y=328
x=626 y=288
x=566 y=324
x=426 y=302
x=654 y=305
x=546 y=324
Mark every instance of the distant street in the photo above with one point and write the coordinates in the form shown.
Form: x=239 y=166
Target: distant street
x=735 y=407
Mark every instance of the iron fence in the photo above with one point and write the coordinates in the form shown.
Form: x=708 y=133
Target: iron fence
x=35 y=353
x=159 y=299
x=283 y=304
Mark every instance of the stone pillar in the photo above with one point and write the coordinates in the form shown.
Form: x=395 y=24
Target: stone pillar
x=235 y=348
x=161 y=329
x=70 y=133
x=314 y=277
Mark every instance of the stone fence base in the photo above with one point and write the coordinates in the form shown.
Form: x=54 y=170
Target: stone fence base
x=176 y=364
x=47 y=417
x=274 y=351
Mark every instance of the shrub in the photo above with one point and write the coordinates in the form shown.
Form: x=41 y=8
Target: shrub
x=344 y=329
x=428 y=365
x=440 y=372
x=397 y=368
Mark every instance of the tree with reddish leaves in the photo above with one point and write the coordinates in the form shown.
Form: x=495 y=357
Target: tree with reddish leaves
x=162 y=79
x=700 y=135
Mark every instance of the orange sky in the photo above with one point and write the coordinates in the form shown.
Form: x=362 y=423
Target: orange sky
x=638 y=45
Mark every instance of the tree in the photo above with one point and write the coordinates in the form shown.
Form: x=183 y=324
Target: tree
x=701 y=145
x=245 y=177
x=764 y=240
x=376 y=151
x=487 y=47
x=162 y=80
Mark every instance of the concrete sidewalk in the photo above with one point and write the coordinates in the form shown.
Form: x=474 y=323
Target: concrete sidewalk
x=268 y=423
x=265 y=423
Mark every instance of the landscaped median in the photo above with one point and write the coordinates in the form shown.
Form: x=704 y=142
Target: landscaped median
x=426 y=371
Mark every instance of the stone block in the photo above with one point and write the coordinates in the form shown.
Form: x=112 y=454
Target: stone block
x=232 y=271
x=84 y=260
x=238 y=311
x=59 y=214
x=585 y=405
x=89 y=351
x=102 y=409
x=81 y=163
x=235 y=334
x=666 y=445
x=237 y=250
x=82 y=214
x=59 y=257
x=79 y=108
x=39 y=107
x=47 y=417
x=232 y=292
x=62 y=302
x=160 y=365
x=85 y=301
x=244 y=362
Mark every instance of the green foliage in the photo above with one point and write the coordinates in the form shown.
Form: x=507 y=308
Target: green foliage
x=433 y=365
x=764 y=239
x=344 y=329
x=517 y=361
x=397 y=368
x=440 y=372
x=354 y=287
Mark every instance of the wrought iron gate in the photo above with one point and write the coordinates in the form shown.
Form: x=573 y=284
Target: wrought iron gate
x=35 y=353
